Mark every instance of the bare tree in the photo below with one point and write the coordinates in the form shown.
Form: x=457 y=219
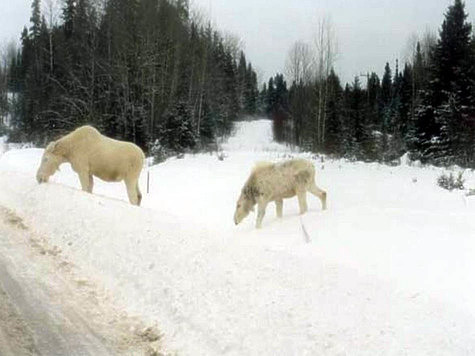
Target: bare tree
x=259 y=76
x=298 y=66
x=409 y=50
x=427 y=42
x=8 y=51
x=199 y=15
x=51 y=11
x=233 y=44
x=325 y=44
x=417 y=52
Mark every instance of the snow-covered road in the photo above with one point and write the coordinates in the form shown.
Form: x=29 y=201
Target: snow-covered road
x=37 y=321
x=47 y=308
x=386 y=270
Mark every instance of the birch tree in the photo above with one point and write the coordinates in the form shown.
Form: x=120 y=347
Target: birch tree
x=325 y=45
x=299 y=63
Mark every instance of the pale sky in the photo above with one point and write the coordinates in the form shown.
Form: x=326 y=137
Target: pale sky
x=369 y=32
x=14 y=14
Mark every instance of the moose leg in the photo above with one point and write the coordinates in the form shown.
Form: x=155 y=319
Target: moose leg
x=278 y=207
x=139 y=194
x=86 y=182
x=91 y=183
x=261 y=211
x=302 y=197
x=319 y=193
x=132 y=192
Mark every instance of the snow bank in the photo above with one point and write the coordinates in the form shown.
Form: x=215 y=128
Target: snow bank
x=388 y=269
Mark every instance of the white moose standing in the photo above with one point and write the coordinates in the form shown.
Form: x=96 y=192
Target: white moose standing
x=92 y=154
x=275 y=182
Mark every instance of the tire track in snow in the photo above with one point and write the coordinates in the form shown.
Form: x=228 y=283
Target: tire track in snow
x=43 y=313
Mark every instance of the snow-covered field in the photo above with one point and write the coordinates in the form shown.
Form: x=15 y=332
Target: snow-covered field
x=387 y=269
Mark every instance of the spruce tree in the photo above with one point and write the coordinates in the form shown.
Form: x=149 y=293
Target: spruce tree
x=126 y=68
x=35 y=19
x=386 y=108
x=445 y=117
x=334 y=129
x=241 y=79
x=69 y=11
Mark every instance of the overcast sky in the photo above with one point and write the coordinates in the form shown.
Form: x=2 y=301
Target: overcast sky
x=369 y=32
x=14 y=14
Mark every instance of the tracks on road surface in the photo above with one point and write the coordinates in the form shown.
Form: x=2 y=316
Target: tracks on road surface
x=47 y=308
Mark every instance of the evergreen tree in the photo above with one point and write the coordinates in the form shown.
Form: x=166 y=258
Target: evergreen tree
x=262 y=100
x=373 y=88
x=426 y=108
x=397 y=122
x=453 y=53
x=334 y=127
x=177 y=133
x=241 y=78
x=250 y=91
x=271 y=96
x=361 y=131
x=278 y=107
x=69 y=10
x=35 y=19
x=128 y=69
x=445 y=116
x=406 y=127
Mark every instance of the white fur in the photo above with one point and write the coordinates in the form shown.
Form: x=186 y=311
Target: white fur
x=92 y=154
x=275 y=182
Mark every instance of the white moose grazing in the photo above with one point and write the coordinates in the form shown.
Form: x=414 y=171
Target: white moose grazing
x=276 y=182
x=92 y=154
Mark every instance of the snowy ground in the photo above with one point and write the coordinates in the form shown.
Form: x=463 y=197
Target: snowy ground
x=47 y=308
x=387 y=269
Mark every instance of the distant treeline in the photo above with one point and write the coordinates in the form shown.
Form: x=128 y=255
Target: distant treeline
x=137 y=70
x=425 y=107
